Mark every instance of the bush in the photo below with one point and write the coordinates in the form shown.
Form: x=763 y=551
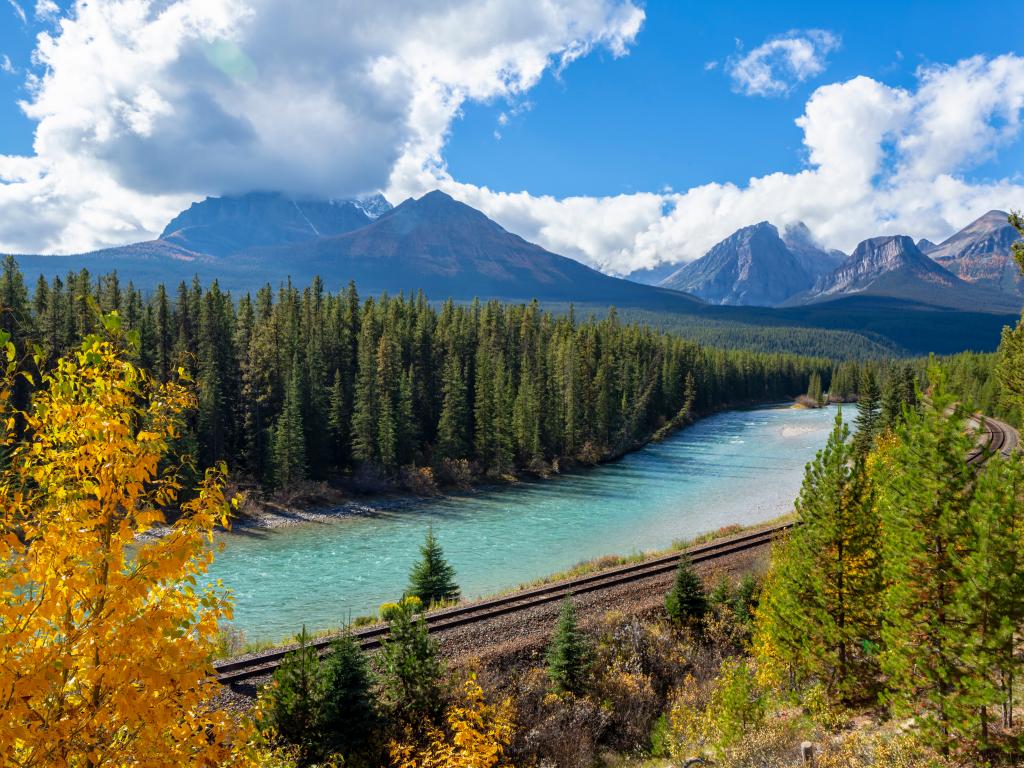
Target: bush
x=768 y=745
x=555 y=730
x=652 y=649
x=477 y=736
x=860 y=750
x=632 y=706
x=457 y=472
x=419 y=481
x=715 y=717
x=388 y=611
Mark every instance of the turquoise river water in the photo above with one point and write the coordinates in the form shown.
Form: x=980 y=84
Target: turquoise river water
x=733 y=467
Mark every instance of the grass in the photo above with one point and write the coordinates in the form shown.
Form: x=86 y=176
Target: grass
x=232 y=642
x=604 y=562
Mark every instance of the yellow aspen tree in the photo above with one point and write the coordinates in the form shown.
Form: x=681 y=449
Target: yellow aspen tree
x=105 y=637
x=478 y=735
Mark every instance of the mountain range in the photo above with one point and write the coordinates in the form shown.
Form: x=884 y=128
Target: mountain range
x=434 y=243
x=756 y=266
x=888 y=289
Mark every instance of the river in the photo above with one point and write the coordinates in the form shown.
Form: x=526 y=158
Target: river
x=733 y=467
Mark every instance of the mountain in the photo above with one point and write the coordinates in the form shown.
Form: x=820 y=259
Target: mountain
x=447 y=248
x=436 y=244
x=753 y=266
x=895 y=267
x=221 y=226
x=815 y=260
x=980 y=253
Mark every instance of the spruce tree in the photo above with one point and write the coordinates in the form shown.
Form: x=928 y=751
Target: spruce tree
x=289 y=439
x=347 y=716
x=892 y=401
x=687 y=600
x=292 y=705
x=452 y=426
x=432 y=579
x=814 y=392
x=337 y=420
x=868 y=413
x=570 y=653
x=990 y=600
x=410 y=674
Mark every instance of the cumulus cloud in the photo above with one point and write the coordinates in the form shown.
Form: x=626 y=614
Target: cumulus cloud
x=881 y=160
x=144 y=106
x=775 y=66
x=161 y=102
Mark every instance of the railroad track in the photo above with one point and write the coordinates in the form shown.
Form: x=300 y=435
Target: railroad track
x=448 y=618
x=995 y=436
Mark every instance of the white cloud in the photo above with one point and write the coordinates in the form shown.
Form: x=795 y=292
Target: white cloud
x=881 y=160
x=46 y=10
x=775 y=66
x=145 y=106
x=166 y=101
x=18 y=11
x=6 y=66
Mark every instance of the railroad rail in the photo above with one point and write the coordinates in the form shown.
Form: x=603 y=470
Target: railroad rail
x=995 y=436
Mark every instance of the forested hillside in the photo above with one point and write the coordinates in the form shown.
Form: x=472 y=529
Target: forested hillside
x=305 y=383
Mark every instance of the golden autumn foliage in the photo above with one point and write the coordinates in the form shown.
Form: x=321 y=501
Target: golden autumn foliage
x=105 y=639
x=478 y=735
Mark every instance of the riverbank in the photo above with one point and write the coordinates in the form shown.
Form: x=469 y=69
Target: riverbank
x=319 y=502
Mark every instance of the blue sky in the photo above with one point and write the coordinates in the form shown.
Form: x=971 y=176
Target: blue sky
x=657 y=118
x=639 y=150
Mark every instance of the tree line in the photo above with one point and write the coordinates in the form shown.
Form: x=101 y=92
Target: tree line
x=904 y=581
x=305 y=383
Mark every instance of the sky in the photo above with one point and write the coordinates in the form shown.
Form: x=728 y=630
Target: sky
x=621 y=133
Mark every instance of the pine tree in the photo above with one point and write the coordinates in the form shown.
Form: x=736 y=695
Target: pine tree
x=925 y=500
x=868 y=413
x=410 y=674
x=570 y=654
x=687 y=601
x=289 y=440
x=990 y=601
x=1010 y=358
x=432 y=579
x=820 y=611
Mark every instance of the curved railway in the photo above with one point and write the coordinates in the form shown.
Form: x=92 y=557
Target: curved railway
x=994 y=436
